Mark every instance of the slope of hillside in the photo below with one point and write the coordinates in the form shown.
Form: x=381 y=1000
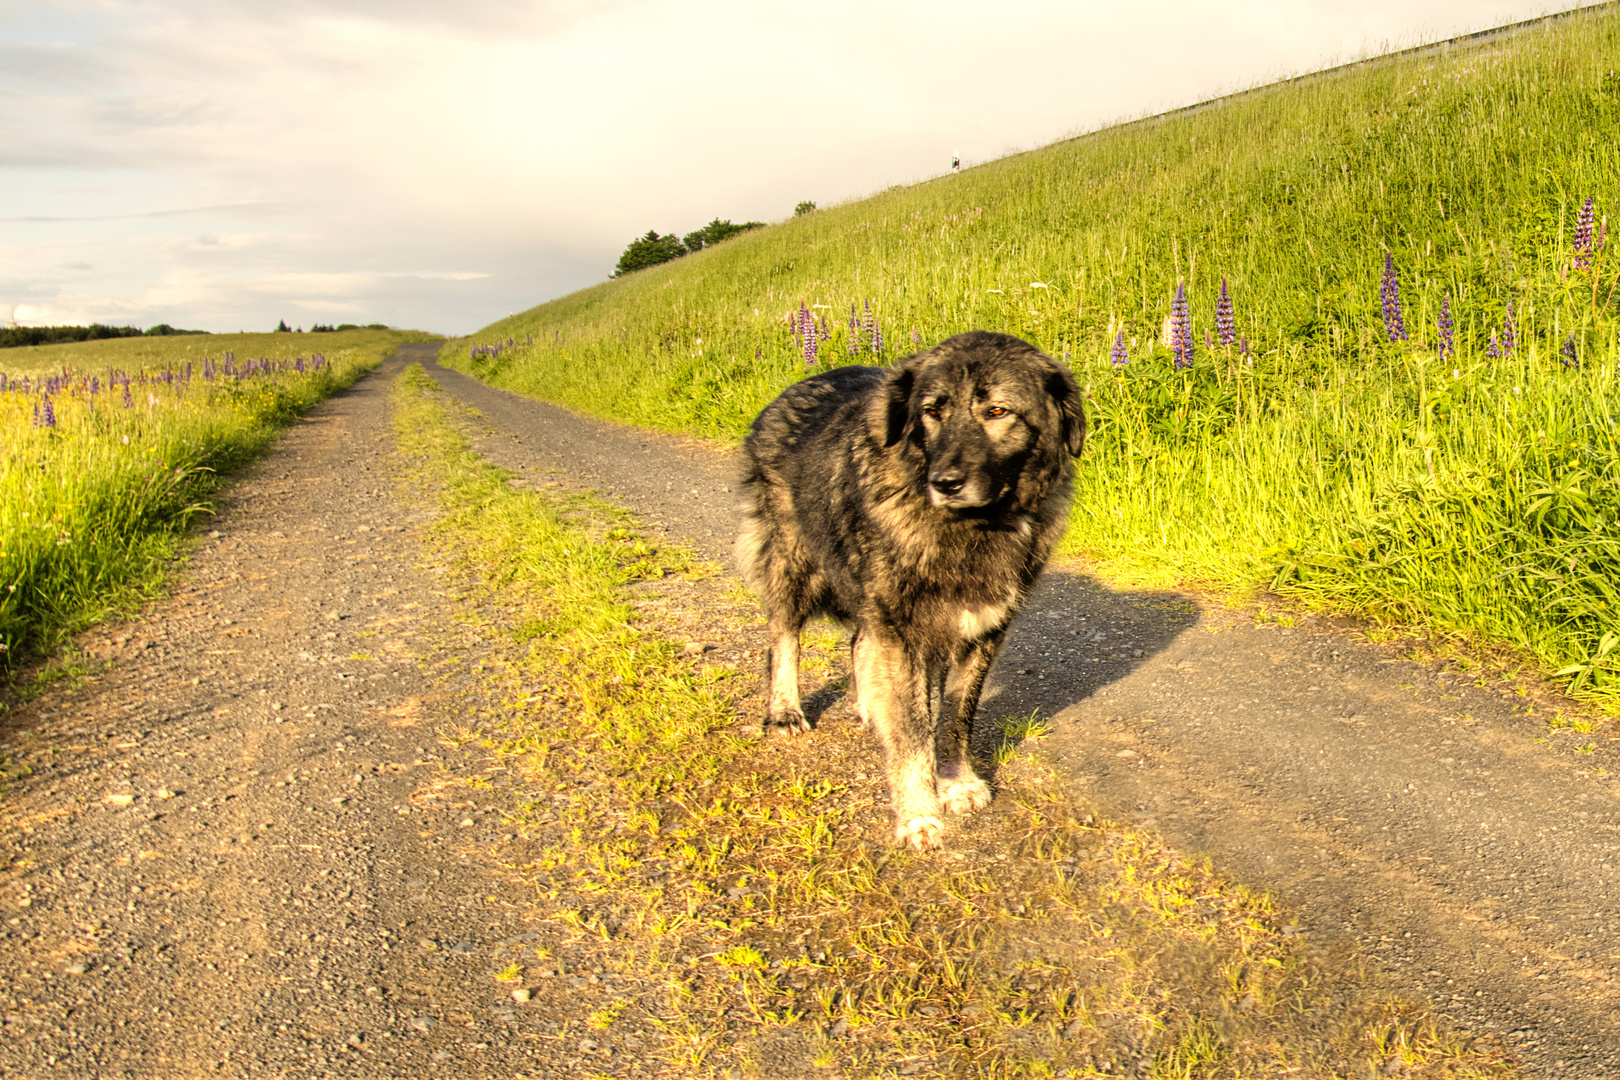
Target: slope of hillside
x=1405 y=412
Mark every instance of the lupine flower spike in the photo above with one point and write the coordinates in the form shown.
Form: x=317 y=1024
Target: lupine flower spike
x=1225 y=324
x=1390 y=294
x=1567 y=353
x=1181 y=339
x=1585 y=224
x=1117 y=354
x=1510 y=331
x=854 y=331
x=1446 y=342
x=1493 y=351
x=48 y=415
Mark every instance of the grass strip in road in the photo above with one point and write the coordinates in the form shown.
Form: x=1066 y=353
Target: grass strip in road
x=745 y=891
x=108 y=454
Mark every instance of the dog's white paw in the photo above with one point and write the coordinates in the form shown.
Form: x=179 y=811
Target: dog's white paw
x=788 y=721
x=964 y=796
x=921 y=833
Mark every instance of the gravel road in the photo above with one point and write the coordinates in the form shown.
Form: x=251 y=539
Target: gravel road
x=1471 y=854
x=238 y=853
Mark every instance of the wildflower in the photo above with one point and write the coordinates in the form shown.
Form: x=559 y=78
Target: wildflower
x=877 y=337
x=1447 y=346
x=916 y=340
x=1243 y=345
x=1493 y=351
x=1567 y=353
x=1117 y=354
x=1225 y=324
x=1510 y=331
x=811 y=343
x=129 y=402
x=1181 y=339
x=1584 y=223
x=1390 y=294
x=867 y=319
x=48 y=416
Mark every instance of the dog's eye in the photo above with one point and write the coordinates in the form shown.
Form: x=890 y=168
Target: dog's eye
x=931 y=411
x=995 y=412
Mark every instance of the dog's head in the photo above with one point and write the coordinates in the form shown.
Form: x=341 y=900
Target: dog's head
x=984 y=417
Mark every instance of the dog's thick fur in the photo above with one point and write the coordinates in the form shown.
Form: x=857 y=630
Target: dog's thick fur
x=917 y=505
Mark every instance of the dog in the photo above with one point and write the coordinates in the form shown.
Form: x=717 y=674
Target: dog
x=916 y=505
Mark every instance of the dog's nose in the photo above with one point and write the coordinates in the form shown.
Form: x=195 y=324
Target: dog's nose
x=948 y=483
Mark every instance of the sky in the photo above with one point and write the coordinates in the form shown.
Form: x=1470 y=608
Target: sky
x=225 y=164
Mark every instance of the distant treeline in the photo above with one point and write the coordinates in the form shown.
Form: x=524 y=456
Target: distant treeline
x=12 y=337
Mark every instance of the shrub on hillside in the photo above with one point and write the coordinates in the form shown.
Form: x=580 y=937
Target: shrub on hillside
x=803 y=208
x=716 y=231
x=649 y=250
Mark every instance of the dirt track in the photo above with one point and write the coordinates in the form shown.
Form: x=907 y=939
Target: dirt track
x=298 y=903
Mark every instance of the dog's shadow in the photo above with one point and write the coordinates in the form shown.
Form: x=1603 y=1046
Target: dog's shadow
x=1074 y=637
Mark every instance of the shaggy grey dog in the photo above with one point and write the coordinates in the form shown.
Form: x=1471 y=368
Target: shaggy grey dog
x=916 y=505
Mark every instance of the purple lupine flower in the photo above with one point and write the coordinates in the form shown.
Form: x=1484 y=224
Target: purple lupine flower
x=1243 y=345
x=36 y=414
x=811 y=345
x=2 y=381
x=877 y=337
x=1390 y=295
x=1447 y=344
x=1567 y=353
x=1510 y=331
x=1181 y=339
x=866 y=323
x=1117 y=354
x=48 y=415
x=1225 y=324
x=1585 y=223
x=1493 y=351
x=129 y=401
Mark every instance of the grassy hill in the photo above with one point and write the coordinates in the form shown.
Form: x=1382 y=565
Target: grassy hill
x=1465 y=479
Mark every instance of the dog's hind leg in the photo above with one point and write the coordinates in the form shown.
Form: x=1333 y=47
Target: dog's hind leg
x=961 y=789
x=899 y=701
x=783 y=711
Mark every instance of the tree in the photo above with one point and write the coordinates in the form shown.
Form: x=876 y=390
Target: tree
x=716 y=231
x=282 y=327
x=649 y=250
x=803 y=208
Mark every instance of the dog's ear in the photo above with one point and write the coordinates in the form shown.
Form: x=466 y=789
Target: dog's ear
x=897 y=400
x=1065 y=394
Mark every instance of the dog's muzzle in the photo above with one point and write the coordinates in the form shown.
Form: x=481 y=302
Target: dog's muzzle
x=949 y=490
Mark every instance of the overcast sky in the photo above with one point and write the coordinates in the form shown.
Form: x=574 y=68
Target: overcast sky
x=222 y=164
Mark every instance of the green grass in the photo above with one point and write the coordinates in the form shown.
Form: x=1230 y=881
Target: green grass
x=748 y=890
x=93 y=510
x=1468 y=495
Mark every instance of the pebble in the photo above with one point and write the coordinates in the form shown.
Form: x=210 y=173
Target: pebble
x=75 y=969
x=165 y=793
x=840 y=1029
x=424 y=1024
x=521 y=995
x=693 y=648
x=123 y=799
x=587 y=1045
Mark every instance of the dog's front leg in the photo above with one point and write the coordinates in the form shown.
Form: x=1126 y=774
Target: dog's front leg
x=900 y=702
x=961 y=789
x=782 y=710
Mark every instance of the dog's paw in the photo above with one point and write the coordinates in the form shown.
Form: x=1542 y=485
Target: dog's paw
x=921 y=833
x=964 y=796
x=786 y=722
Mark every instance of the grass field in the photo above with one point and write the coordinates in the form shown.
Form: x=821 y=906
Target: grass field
x=748 y=890
x=1460 y=477
x=109 y=449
